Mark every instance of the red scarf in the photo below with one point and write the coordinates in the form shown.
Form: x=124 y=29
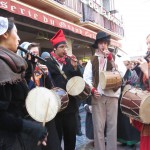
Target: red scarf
x=61 y=60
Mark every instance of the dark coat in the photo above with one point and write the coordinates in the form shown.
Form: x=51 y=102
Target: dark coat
x=61 y=82
x=12 y=101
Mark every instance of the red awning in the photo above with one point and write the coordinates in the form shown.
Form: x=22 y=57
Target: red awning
x=23 y=9
x=20 y=8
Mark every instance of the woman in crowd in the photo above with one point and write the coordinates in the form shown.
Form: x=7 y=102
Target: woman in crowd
x=13 y=92
x=144 y=128
x=126 y=133
x=38 y=75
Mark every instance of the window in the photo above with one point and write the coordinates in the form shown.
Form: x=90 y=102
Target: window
x=106 y=5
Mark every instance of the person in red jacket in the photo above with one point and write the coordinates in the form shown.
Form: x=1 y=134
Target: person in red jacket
x=144 y=128
x=145 y=134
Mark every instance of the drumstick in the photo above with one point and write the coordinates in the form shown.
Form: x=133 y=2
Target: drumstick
x=72 y=86
x=46 y=113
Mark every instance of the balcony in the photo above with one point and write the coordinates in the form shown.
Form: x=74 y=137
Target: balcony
x=70 y=10
x=96 y=22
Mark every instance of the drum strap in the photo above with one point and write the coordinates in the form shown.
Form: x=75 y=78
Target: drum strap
x=56 y=64
x=62 y=72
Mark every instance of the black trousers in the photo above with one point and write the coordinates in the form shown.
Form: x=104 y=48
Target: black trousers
x=10 y=141
x=78 y=123
x=66 y=127
x=52 y=139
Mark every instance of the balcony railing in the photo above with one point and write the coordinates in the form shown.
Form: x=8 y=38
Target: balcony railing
x=90 y=15
x=76 y=5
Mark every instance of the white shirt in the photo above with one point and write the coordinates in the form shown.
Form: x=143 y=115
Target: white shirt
x=60 y=65
x=88 y=76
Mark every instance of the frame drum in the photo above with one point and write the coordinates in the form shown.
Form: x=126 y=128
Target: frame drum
x=136 y=103
x=110 y=80
x=42 y=104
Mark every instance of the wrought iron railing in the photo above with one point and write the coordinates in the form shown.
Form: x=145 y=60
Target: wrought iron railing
x=90 y=15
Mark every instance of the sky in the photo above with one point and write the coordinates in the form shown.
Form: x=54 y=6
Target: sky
x=136 y=19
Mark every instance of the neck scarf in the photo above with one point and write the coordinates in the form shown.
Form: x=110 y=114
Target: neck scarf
x=102 y=61
x=59 y=59
x=12 y=67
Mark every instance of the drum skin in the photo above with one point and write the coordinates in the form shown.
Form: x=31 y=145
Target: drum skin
x=42 y=104
x=110 y=80
x=136 y=103
x=63 y=96
x=78 y=88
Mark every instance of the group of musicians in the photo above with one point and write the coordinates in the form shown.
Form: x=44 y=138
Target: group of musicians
x=20 y=72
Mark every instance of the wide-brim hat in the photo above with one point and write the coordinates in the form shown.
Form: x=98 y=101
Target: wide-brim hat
x=100 y=36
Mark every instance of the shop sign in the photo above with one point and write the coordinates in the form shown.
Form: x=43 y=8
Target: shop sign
x=41 y=16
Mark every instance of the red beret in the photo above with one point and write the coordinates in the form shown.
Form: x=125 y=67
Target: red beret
x=58 y=38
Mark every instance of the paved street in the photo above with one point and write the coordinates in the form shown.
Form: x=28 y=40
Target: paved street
x=84 y=144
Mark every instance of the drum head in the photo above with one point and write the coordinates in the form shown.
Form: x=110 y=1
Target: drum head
x=145 y=110
x=42 y=104
x=102 y=79
x=75 y=86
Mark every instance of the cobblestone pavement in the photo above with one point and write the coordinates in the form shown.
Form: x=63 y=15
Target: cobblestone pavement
x=83 y=143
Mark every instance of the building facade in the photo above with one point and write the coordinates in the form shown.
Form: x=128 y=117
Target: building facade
x=39 y=20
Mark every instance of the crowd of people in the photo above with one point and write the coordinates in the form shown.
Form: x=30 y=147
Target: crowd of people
x=21 y=72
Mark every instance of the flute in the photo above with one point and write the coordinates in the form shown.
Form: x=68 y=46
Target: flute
x=43 y=71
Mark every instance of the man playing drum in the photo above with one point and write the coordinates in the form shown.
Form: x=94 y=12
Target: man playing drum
x=62 y=68
x=104 y=102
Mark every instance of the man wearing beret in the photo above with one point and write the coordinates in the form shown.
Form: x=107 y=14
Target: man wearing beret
x=62 y=69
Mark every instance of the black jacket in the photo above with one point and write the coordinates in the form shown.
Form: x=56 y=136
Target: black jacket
x=61 y=82
x=12 y=106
